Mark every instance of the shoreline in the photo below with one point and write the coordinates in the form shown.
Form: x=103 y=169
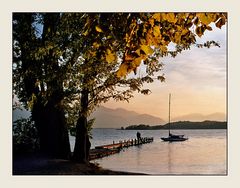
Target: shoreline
x=40 y=165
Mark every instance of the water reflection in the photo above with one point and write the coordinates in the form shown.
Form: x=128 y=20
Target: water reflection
x=204 y=153
x=138 y=154
x=169 y=157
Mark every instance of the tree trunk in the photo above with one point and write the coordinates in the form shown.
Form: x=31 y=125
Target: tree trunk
x=52 y=130
x=82 y=143
x=54 y=133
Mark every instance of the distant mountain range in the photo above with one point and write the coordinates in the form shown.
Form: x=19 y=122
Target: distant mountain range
x=200 y=117
x=109 y=118
x=116 y=118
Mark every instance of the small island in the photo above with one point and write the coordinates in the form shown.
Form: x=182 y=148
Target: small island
x=181 y=125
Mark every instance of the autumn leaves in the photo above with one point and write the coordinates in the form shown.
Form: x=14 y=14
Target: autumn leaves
x=129 y=39
x=152 y=33
x=202 y=21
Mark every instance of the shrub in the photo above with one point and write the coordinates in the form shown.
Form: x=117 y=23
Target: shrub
x=25 y=136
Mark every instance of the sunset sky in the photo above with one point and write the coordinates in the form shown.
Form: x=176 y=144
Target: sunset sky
x=196 y=79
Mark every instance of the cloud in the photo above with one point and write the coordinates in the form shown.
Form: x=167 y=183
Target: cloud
x=197 y=68
x=196 y=78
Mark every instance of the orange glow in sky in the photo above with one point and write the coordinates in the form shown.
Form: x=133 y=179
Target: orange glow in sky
x=196 y=79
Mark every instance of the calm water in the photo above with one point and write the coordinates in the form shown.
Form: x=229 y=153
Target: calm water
x=204 y=153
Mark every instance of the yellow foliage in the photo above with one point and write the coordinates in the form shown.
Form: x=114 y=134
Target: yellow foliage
x=204 y=18
x=138 y=52
x=128 y=58
x=156 y=31
x=149 y=39
x=32 y=101
x=163 y=48
x=159 y=29
x=98 y=29
x=143 y=41
x=151 y=21
x=147 y=49
x=92 y=53
x=110 y=57
x=96 y=45
x=127 y=37
x=170 y=17
x=184 y=31
x=85 y=33
x=157 y=16
x=213 y=16
x=138 y=61
x=123 y=70
x=181 y=16
x=177 y=37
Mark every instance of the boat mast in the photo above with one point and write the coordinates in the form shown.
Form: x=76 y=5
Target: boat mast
x=169 y=114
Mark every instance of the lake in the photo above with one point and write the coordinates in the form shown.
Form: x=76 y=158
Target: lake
x=205 y=153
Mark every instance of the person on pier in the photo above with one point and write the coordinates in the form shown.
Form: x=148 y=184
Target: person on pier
x=138 y=137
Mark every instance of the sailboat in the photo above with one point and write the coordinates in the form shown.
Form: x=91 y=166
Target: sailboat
x=172 y=137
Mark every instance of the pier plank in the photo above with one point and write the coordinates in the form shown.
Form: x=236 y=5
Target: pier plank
x=109 y=149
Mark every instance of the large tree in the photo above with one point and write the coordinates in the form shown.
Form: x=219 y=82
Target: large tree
x=91 y=69
x=113 y=45
x=84 y=59
x=36 y=81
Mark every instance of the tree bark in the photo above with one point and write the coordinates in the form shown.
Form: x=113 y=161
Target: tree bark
x=52 y=130
x=82 y=143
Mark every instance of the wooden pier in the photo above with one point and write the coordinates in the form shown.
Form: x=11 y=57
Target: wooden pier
x=109 y=149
